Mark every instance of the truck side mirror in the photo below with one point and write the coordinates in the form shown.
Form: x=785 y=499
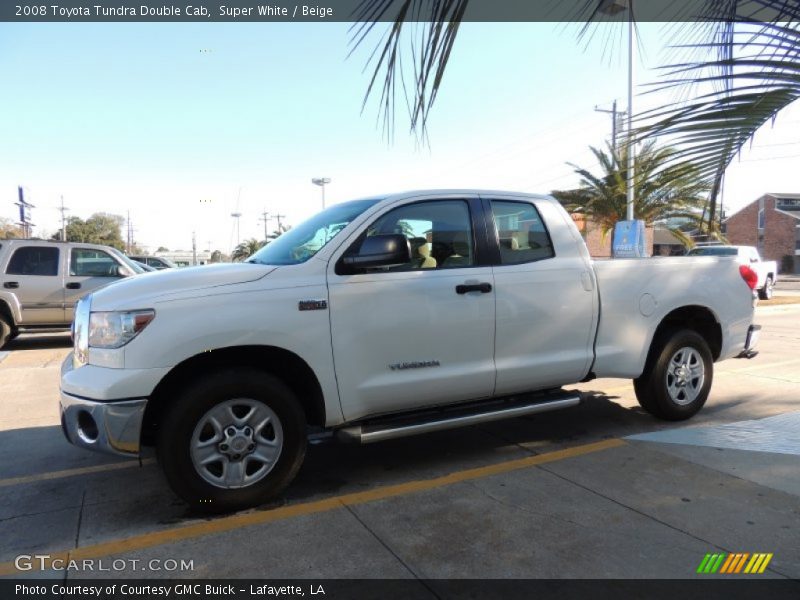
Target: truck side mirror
x=385 y=250
x=123 y=271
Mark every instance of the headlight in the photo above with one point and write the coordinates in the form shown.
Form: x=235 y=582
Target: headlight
x=80 y=332
x=115 y=329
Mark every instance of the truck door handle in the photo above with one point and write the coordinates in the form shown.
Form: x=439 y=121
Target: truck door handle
x=483 y=288
x=73 y=285
x=11 y=285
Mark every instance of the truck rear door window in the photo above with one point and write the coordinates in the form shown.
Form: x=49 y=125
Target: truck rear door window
x=521 y=233
x=34 y=260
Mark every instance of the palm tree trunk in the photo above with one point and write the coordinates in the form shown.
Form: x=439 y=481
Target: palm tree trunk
x=712 y=199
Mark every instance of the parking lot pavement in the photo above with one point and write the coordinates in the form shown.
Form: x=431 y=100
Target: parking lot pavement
x=565 y=494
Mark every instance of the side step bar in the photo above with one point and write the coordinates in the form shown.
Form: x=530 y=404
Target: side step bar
x=388 y=429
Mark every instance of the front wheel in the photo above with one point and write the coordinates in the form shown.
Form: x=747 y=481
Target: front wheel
x=233 y=440
x=765 y=293
x=677 y=376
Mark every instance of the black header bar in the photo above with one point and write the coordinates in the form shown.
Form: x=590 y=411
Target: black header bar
x=209 y=11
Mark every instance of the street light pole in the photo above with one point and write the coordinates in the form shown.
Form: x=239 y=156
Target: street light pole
x=611 y=8
x=321 y=182
x=237 y=215
x=631 y=149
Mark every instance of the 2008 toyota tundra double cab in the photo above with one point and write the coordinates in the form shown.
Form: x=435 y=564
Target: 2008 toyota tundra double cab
x=386 y=317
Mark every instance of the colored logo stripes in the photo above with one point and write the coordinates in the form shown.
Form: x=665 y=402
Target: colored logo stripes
x=739 y=562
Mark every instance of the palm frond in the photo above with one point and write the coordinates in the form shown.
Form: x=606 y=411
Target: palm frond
x=430 y=52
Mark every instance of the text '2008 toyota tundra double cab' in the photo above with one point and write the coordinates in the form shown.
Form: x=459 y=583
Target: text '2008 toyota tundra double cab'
x=385 y=317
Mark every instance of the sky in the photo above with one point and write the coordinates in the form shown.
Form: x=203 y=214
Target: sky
x=183 y=124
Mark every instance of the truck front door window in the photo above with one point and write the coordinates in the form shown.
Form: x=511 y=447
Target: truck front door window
x=439 y=234
x=91 y=263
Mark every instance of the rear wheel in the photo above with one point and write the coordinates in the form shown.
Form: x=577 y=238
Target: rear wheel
x=6 y=333
x=233 y=440
x=765 y=293
x=677 y=377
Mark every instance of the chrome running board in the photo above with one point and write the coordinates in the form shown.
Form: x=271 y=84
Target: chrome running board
x=426 y=422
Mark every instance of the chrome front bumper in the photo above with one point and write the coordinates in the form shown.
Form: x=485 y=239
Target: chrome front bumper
x=111 y=427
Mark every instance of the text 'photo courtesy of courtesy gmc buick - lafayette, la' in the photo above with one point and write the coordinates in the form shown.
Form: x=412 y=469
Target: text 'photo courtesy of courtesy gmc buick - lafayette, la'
x=381 y=318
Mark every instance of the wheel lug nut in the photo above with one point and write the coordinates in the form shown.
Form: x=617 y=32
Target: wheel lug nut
x=251 y=446
x=223 y=447
x=247 y=431
x=235 y=457
x=231 y=431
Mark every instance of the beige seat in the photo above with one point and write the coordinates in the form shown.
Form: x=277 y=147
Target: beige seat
x=421 y=254
x=428 y=262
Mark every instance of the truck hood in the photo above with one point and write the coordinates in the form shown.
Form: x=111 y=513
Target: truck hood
x=132 y=292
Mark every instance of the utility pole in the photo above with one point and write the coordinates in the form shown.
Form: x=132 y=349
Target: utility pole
x=194 y=249
x=63 y=210
x=128 y=245
x=265 y=216
x=278 y=218
x=615 y=118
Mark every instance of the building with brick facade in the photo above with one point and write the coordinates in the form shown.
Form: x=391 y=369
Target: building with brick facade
x=772 y=224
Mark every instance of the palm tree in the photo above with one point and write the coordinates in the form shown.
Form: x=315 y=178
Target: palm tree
x=753 y=73
x=246 y=249
x=664 y=190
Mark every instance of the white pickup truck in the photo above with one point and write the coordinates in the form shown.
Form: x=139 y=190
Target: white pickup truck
x=386 y=317
x=766 y=270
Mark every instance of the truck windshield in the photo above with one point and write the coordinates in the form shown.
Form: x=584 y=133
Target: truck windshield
x=302 y=242
x=713 y=251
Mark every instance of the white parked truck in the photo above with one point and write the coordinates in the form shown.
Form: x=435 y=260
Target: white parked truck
x=381 y=318
x=766 y=271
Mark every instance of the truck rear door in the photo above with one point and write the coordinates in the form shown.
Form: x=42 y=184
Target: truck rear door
x=32 y=275
x=545 y=294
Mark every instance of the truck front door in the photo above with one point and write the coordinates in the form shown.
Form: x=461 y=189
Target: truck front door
x=89 y=269
x=413 y=336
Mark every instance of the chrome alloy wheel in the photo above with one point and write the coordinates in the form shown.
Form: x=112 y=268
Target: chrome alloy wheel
x=685 y=376
x=236 y=443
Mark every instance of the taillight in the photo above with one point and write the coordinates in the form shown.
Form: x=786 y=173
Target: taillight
x=750 y=277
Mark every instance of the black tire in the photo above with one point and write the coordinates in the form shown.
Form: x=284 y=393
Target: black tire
x=176 y=436
x=653 y=390
x=6 y=333
x=765 y=293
